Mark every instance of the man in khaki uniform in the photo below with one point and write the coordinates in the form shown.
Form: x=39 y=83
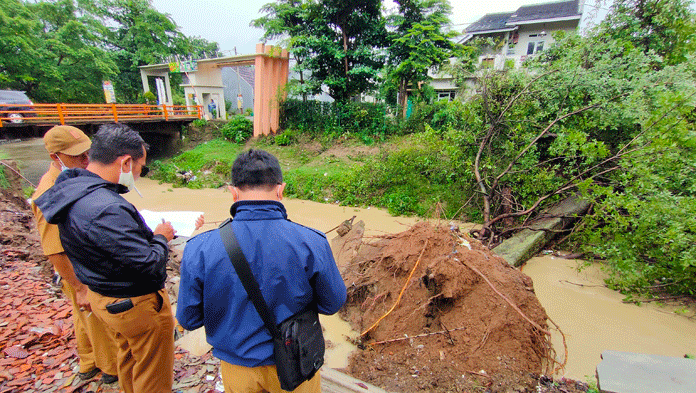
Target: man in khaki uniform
x=120 y=259
x=68 y=146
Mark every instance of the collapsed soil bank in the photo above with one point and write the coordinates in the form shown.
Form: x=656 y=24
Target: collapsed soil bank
x=440 y=312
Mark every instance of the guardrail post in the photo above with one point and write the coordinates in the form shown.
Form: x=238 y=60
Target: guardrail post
x=115 y=112
x=166 y=115
x=61 y=116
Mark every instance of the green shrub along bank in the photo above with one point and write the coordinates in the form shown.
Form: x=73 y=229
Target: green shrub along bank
x=367 y=122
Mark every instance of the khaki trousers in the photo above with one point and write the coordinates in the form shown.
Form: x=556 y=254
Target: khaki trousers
x=238 y=379
x=145 y=339
x=95 y=343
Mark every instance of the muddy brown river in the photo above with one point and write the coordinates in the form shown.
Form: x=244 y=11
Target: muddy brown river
x=592 y=317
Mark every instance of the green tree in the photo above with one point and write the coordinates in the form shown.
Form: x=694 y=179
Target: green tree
x=140 y=35
x=19 y=43
x=667 y=28
x=419 y=43
x=339 y=41
x=62 y=50
x=290 y=21
x=53 y=52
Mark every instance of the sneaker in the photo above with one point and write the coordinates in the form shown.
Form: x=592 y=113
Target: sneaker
x=109 y=379
x=89 y=374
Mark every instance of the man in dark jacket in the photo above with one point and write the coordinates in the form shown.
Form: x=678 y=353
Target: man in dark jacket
x=292 y=264
x=117 y=256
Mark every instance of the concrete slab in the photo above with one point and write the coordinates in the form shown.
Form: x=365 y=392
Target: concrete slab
x=627 y=372
x=333 y=381
x=525 y=244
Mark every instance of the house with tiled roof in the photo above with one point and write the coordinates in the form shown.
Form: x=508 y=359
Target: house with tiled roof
x=524 y=32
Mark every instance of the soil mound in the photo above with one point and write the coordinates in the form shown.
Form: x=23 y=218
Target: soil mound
x=438 y=311
x=18 y=237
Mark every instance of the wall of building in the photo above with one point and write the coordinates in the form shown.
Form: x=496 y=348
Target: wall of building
x=236 y=84
x=536 y=34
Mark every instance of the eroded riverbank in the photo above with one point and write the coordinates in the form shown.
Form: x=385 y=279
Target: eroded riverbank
x=592 y=317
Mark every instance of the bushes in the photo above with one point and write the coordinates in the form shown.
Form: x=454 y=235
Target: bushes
x=333 y=119
x=411 y=180
x=238 y=129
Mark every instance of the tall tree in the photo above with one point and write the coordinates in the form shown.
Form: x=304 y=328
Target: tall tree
x=341 y=42
x=58 y=54
x=289 y=21
x=140 y=35
x=419 y=42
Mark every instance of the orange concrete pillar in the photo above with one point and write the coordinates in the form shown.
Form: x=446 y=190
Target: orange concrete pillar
x=272 y=68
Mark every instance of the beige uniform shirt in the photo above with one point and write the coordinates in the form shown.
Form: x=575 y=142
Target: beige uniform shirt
x=50 y=240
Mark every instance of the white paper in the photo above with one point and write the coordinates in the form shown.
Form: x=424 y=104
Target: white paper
x=184 y=222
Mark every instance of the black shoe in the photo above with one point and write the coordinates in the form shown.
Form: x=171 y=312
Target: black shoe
x=109 y=379
x=89 y=374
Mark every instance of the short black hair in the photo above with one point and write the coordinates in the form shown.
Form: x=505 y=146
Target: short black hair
x=256 y=168
x=114 y=140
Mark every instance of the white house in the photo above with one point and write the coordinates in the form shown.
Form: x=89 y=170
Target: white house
x=524 y=32
x=517 y=35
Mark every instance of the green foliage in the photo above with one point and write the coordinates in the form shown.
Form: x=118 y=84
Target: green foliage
x=644 y=223
x=419 y=42
x=207 y=165
x=411 y=180
x=4 y=183
x=367 y=121
x=285 y=138
x=335 y=43
x=62 y=50
x=666 y=28
x=150 y=97
x=52 y=51
x=238 y=129
x=199 y=123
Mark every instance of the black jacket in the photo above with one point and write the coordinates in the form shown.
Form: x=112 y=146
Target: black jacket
x=112 y=251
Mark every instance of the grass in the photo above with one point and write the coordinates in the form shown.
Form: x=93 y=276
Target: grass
x=400 y=174
x=306 y=168
x=4 y=184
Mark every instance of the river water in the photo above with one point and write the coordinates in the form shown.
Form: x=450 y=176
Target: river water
x=592 y=317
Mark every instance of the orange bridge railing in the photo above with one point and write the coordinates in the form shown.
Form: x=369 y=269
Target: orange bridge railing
x=94 y=113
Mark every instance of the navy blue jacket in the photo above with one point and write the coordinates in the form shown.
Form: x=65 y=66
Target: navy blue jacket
x=292 y=264
x=111 y=248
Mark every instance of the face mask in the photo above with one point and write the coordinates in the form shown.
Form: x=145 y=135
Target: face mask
x=127 y=179
x=62 y=166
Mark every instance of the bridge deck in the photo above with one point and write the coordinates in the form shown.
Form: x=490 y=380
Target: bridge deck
x=51 y=114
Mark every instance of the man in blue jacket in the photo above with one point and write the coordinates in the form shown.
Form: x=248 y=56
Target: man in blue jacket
x=117 y=256
x=292 y=264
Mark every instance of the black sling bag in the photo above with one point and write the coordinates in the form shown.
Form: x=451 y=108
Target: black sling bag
x=298 y=342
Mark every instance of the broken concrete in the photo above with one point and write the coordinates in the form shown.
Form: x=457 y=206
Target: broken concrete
x=524 y=245
x=626 y=372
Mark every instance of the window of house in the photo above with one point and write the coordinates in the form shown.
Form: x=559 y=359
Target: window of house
x=535 y=47
x=445 y=95
x=487 y=63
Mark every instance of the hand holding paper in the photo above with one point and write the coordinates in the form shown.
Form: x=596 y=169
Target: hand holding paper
x=183 y=223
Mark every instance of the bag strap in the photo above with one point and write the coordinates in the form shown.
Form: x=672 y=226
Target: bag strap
x=241 y=266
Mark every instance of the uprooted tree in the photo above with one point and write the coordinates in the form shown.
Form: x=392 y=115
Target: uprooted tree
x=606 y=117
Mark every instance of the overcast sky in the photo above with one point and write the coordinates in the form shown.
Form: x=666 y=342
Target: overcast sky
x=227 y=22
